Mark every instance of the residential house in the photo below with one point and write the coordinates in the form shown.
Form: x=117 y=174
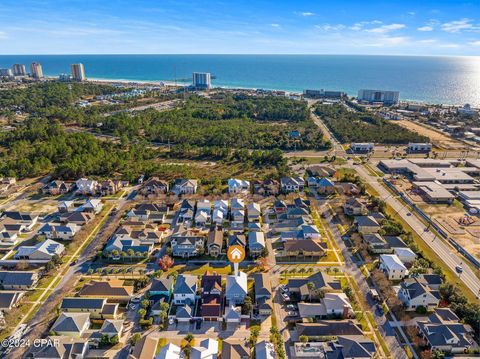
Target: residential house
x=292 y=184
x=9 y=299
x=236 y=288
x=212 y=297
x=152 y=212
x=304 y=248
x=215 y=241
x=443 y=331
x=185 y=313
x=220 y=212
x=334 y=305
x=256 y=243
x=393 y=267
x=325 y=186
x=113 y=289
x=97 y=307
x=185 y=186
x=45 y=250
x=265 y=350
x=146 y=348
x=321 y=170
x=266 y=188
x=297 y=213
x=78 y=218
x=238 y=186
x=64 y=232
x=237 y=238
x=169 y=351
x=280 y=207
x=160 y=292
x=299 y=287
x=187 y=243
x=355 y=207
x=26 y=220
x=254 y=212
x=328 y=328
x=263 y=293
x=110 y=187
x=366 y=224
x=254 y=227
x=377 y=244
x=93 y=205
x=86 y=187
x=110 y=328
x=71 y=324
x=117 y=248
x=233 y=348
x=208 y=349
x=350 y=346
x=185 y=289
x=406 y=255
x=65 y=348
x=415 y=292
x=233 y=314
x=55 y=188
x=23 y=280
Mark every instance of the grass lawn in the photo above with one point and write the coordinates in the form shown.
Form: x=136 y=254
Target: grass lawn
x=207 y=268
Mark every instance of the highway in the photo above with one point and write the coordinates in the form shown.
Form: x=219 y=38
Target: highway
x=444 y=250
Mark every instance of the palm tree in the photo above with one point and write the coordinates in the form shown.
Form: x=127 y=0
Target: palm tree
x=311 y=287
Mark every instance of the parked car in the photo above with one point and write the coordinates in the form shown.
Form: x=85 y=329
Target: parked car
x=292 y=313
x=285 y=297
x=459 y=268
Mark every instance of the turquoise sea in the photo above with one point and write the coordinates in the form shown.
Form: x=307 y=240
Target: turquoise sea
x=448 y=80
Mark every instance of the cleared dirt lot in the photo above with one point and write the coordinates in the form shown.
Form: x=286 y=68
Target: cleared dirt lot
x=453 y=218
x=437 y=138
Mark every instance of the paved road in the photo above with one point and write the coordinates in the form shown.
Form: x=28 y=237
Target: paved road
x=446 y=252
x=352 y=269
x=41 y=319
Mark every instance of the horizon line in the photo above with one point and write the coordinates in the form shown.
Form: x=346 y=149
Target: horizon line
x=236 y=54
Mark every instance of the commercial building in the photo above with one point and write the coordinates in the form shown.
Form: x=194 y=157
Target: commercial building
x=202 y=80
x=419 y=147
x=78 y=72
x=362 y=147
x=19 y=70
x=36 y=70
x=385 y=97
x=323 y=94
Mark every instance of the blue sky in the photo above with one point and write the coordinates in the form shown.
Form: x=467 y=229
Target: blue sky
x=421 y=27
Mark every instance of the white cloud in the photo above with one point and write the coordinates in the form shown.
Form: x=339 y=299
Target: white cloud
x=475 y=43
x=459 y=26
x=427 y=41
x=275 y=25
x=425 y=28
x=328 y=27
x=3 y=35
x=411 y=13
x=307 y=13
x=386 y=28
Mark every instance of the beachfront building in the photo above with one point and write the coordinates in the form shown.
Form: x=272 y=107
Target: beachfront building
x=19 y=70
x=385 y=97
x=78 y=72
x=36 y=70
x=323 y=94
x=201 y=80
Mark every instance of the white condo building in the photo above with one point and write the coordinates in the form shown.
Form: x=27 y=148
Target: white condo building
x=202 y=80
x=387 y=97
x=78 y=72
x=19 y=70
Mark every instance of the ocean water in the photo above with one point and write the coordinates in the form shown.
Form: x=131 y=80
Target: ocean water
x=448 y=80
